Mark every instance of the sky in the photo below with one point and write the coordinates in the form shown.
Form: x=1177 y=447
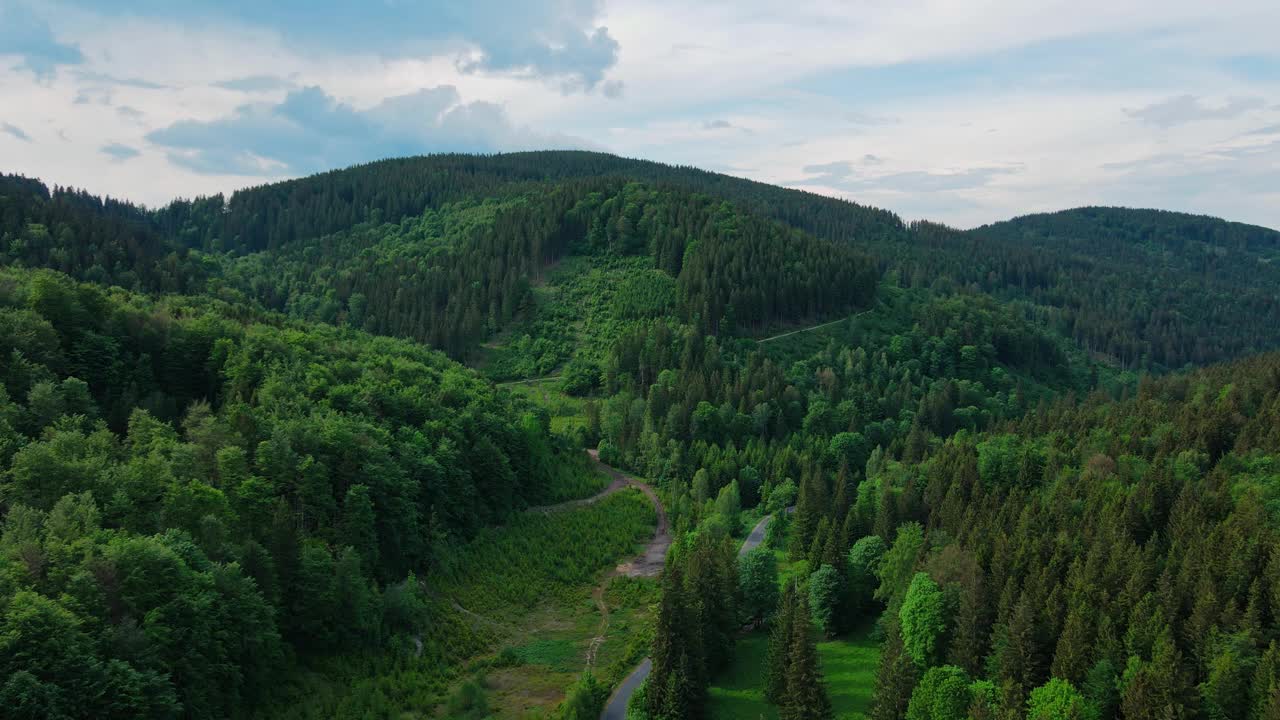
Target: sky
x=958 y=111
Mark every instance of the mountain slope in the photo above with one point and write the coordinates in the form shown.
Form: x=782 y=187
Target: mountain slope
x=214 y=459
x=1140 y=289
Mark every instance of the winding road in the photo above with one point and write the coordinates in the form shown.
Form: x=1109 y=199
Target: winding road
x=756 y=536
x=648 y=563
x=616 y=707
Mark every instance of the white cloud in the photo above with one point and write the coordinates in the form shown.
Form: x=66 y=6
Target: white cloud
x=1185 y=109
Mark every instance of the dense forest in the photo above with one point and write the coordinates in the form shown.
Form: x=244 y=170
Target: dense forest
x=191 y=498
x=238 y=449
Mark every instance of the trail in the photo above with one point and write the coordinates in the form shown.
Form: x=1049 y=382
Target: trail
x=598 y=596
x=530 y=380
x=647 y=564
x=815 y=327
x=756 y=536
x=613 y=487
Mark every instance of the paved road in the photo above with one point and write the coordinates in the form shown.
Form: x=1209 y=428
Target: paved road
x=616 y=708
x=756 y=536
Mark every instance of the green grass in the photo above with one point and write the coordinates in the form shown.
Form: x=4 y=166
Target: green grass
x=557 y=653
x=738 y=692
x=565 y=410
x=849 y=665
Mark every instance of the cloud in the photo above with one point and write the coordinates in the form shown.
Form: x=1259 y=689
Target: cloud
x=310 y=131
x=869 y=120
x=15 y=131
x=843 y=175
x=256 y=83
x=1226 y=181
x=579 y=58
x=29 y=37
x=131 y=113
x=554 y=39
x=612 y=89
x=119 y=152
x=1185 y=109
x=105 y=79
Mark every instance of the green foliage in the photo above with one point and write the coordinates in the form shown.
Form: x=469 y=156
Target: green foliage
x=897 y=566
x=806 y=696
x=863 y=567
x=290 y=486
x=585 y=699
x=824 y=596
x=469 y=701
x=944 y=693
x=729 y=506
x=495 y=570
x=758 y=581
x=924 y=620
x=1057 y=700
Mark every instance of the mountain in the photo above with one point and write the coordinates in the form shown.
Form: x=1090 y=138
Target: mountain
x=1139 y=289
x=257 y=452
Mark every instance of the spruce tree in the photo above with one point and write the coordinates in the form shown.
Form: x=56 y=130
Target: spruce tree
x=779 y=657
x=806 y=697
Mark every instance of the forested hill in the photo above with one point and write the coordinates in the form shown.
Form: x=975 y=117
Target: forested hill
x=390 y=190
x=231 y=449
x=1145 y=288
x=1139 y=289
x=459 y=241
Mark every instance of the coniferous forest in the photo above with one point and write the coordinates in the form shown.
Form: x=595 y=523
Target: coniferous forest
x=318 y=449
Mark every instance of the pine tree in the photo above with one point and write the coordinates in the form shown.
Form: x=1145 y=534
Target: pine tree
x=895 y=679
x=806 y=696
x=779 y=657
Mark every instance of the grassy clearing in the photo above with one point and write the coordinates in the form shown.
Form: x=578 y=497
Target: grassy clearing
x=566 y=411
x=738 y=692
x=519 y=641
x=849 y=665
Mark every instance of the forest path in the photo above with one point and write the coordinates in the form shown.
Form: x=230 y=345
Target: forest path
x=648 y=564
x=616 y=707
x=598 y=596
x=529 y=380
x=815 y=327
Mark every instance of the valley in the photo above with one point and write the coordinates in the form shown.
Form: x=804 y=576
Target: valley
x=480 y=436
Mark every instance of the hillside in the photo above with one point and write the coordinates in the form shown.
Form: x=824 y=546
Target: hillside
x=259 y=455
x=1139 y=289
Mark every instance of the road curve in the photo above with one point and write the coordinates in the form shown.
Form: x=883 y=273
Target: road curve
x=616 y=708
x=648 y=564
x=756 y=536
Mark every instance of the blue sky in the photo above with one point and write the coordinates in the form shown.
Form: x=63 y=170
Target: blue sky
x=954 y=111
